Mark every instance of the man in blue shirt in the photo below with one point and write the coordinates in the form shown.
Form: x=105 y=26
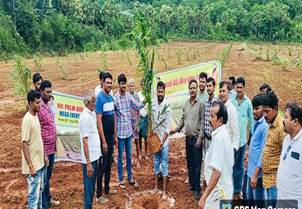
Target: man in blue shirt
x=105 y=122
x=245 y=115
x=255 y=190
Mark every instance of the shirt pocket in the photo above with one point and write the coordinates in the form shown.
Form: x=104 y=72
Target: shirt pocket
x=294 y=163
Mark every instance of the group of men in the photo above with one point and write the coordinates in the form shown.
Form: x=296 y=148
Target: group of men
x=218 y=131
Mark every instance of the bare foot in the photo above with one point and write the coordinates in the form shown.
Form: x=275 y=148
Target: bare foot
x=164 y=196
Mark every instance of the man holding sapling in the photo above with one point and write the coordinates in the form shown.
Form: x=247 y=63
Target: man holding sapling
x=161 y=119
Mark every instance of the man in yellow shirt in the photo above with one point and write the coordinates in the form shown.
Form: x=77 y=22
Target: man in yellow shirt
x=33 y=158
x=273 y=147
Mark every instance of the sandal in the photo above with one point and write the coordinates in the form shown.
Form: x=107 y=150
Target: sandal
x=134 y=183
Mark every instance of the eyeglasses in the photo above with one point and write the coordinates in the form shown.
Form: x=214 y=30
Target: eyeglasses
x=286 y=152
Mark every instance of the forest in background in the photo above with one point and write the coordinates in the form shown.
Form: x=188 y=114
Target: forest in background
x=54 y=27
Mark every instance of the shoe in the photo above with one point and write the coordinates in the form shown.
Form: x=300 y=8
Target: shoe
x=133 y=183
x=112 y=192
x=102 y=200
x=237 y=196
x=54 y=202
x=122 y=184
x=191 y=188
x=197 y=195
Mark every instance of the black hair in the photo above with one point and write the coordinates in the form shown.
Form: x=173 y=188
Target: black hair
x=203 y=75
x=107 y=75
x=222 y=111
x=258 y=100
x=192 y=81
x=265 y=86
x=37 y=77
x=32 y=95
x=223 y=83
x=210 y=79
x=232 y=79
x=270 y=99
x=295 y=111
x=45 y=84
x=101 y=75
x=240 y=80
x=121 y=78
x=161 y=84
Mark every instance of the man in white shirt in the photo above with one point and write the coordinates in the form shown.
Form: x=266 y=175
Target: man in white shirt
x=219 y=161
x=232 y=124
x=99 y=87
x=90 y=148
x=289 y=178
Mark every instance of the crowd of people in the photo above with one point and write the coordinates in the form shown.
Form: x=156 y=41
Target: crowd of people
x=219 y=131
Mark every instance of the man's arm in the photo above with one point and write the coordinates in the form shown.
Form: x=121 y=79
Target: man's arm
x=201 y=132
x=26 y=153
x=136 y=104
x=251 y=117
x=180 y=125
x=86 y=153
x=211 y=185
x=235 y=128
x=167 y=124
x=101 y=131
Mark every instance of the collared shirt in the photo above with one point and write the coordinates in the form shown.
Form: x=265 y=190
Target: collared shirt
x=162 y=118
x=88 y=128
x=192 y=118
x=31 y=133
x=220 y=156
x=207 y=116
x=289 y=178
x=232 y=124
x=203 y=97
x=232 y=94
x=272 y=151
x=256 y=146
x=245 y=115
x=48 y=129
x=123 y=105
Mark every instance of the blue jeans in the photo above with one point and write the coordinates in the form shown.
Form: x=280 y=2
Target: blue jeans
x=256 y=193
x=89 y=184
x=271 y=195
x=124 y=143
x=162 y=158
x=238 y=169
x=47 y=175
x=35 y=189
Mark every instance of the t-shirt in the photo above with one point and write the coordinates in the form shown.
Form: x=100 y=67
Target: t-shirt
x=105 y=106
x=220 y=156
x=289 y=178
x=88 y=128
x=31 y=133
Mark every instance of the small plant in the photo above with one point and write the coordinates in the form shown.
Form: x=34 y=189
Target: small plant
x=268 y=53
x=179 y=55
x=224 y=54
x=62 y=68
x=103 y=60
x=195 y=51
x=188 y=55
x=128 y=59
x=164 y=62
x=37 y=61
x=21 y=77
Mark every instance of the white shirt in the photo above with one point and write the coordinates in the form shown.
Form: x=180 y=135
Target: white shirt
x=162 y=118
x=88 y=128
x=220 y=156
x=143 y=112
x=289 y=175
x=232 y=124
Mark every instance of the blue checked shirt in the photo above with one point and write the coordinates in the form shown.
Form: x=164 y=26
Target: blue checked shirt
x=207 y=116
x=123 y=105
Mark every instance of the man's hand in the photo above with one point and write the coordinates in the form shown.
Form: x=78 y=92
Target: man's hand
x=89 y=170
x=201 y=203
x=46 y=161
x=198 y=143
x=173 y=131
x=253 y=181
x=32 y=171
x=161 y=145
x=105 y=148
x=115 y=140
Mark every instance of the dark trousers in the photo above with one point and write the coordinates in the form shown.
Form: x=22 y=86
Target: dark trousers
x=46 y=196
x=89 y=184
x=238 y=169
x=104 y=168
x=194 y=157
